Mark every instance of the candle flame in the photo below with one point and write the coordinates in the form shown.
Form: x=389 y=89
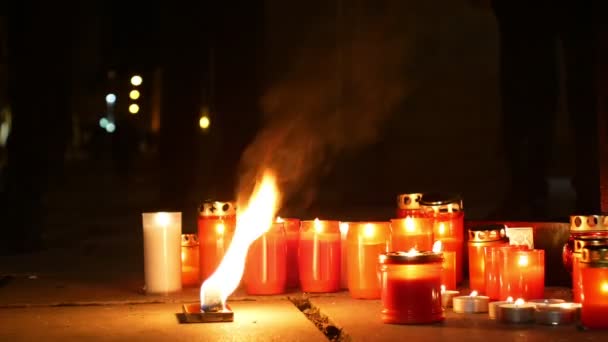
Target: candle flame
x=519 y=301
x=162 y=219
x=280 y=219
x=318 y=226
x=437 y=246
x=252 y=222
x=442 y=288
x=220 y=228
x=605 y=287
x=473 y=294
x=523 y=260
x=510 y=299
x=343 y=228
x=409 y=225
x=412 y=252
x=441 y=228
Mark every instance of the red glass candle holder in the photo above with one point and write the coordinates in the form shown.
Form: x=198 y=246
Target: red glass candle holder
x=292 y=235
x=190 y=260
x=522 y=273
x=581 y=242
x=412 y=233
x=594 y=290
x=493 y=257
x=480 y=238
x=448 y=273
x=409 y=205
x=216 y=225
x=411 y=287
x=319 y=256
x=364 y=243
x=265 y=268
x=447 y=213
x=592 y=225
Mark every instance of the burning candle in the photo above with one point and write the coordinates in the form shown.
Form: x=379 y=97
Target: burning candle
x=162 y=252
x=411 y=232
x=472 y=303
x=518 y=312
x=320 y=254
x=579 y=243
x=265 y=270
x=411 y=287
x=447 y=297
x=343 y=255
x=594 y=291
x=190 y=260
x=364 y=243
x=479 y=239
x=448 y=271
x=557 y=314
x=522 y=273
x=292 y=234
x=409 y=205
x=493 y=311
x=216 y=225
x=493 y=257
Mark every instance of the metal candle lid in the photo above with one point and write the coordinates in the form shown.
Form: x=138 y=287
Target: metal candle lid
x=595 y=256
x=409 y=201
x=189 y=240
x=590 y=223
x=493 y=232
x=589 y=240
x=217 y=208
x=412 y=257
x=442 y=203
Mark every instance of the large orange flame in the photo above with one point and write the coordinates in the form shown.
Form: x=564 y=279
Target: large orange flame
x=252 y=222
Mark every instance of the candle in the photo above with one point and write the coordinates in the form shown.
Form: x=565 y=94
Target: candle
x=448 y=271
x=522 y=273
x=557 y=314
x=409 y=205
x=471 y=303
x=292 y=234
x=594 y=291
x=479 y=239
x=365 y=242
x=447 y=296
x=162 y=251
x=319 y=256
x=190 y=260
x=493 y=311
x=546 y=302
x=518 y=312
x=343 y=256
x=411 y=287
x=216 y=225
x=579 y=243
x=411 y=232
x=493 y=258
x=265 y=268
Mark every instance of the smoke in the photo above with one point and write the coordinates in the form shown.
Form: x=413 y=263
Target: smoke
x=331 y=101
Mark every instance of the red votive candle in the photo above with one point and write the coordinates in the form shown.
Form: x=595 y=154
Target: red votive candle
x=292 y=234
x=493 y=257
x=581 y=242
x=411 y=233
x=411 y=287
x=190 y=260
x=409 y=205
x=319 y=256
x=594 y=290
x=216 y=225
x=522 y=273
x=365 y=242
x=480 y=238
x=265 y=269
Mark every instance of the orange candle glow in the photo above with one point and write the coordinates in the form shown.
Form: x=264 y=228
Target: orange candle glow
x=292 y=235
x=412 y=232
x=365 y=242
x=190 y=260
x=493 y=258
x=448 y=271
x=265 y=270
x=216 y=225
x=319 y=256
x=594 y=287
x=480 y=238
x=522 y=273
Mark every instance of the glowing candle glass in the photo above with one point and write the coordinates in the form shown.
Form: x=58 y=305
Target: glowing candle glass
x=216 y=225
x=480 y=238
x=190 y=260
x=580 y=226
x=162 y=252
x=448 y=269
x=579 y=243
x=265 y=268
x=493 y=258
x=412 y=232
x=364 y=244
x=411 y=287
x=409 y=205
x=594 y=291
x=522 y=273
x=319 y=256
x=292 y=234
x=343 y=255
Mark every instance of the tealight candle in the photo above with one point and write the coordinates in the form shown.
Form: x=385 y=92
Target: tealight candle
x=364 y=243
x=516 y=313
x=319 y=260
x=216 y=225
x=447 y=297
x=493 y=311
x=471 y=303
x=412 y=232
x=292 y=235
x=162 y=252
x=557 y=314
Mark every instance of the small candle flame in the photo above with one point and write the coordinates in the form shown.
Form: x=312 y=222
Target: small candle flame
x=519 y=301
x=318 y=226
x=162 y=219
x=510 y=299
x=409 y=224
x=343 y=228
x=280 y=219
x=523 y=260
x=220 y=228
x=368 y=230
x=473 y=294
x=605 y=287
x=437 y=246
x=412 y=252
x=441 y=228
x=442 y=289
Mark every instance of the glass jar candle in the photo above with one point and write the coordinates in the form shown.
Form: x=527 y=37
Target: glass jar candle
x=447 y=214
x=409 y=205
x=581 y=242
x=266 y=267
x=592 y=225
x=190 y=260
x=216 y=225
x=364 y=243
x=292 y=235
x=480 y=238
x=411 y=287
x=522 y=273
x=319 y=256
x=594 y=290
x=493 y=256
x=412 y=233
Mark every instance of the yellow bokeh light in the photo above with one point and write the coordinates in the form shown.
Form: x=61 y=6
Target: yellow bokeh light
x=134 y=94
x=136 y=80
x=133 y=108
x=204 y=122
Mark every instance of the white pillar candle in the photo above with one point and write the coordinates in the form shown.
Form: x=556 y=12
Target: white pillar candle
x=162 y=252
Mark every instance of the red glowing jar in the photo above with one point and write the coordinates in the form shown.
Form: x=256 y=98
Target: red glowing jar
x=190 y=260
x=447 y=213
x=580 y=243
x=522 y=273
x=409 y=205
x=594 y=290
x=292 y=235
x=411 y=287
x=266 y=268
x=412 y=233
x=319 y=258
x=216 y=225
x=493 y=257
x=580 y=226
x=481 y=238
